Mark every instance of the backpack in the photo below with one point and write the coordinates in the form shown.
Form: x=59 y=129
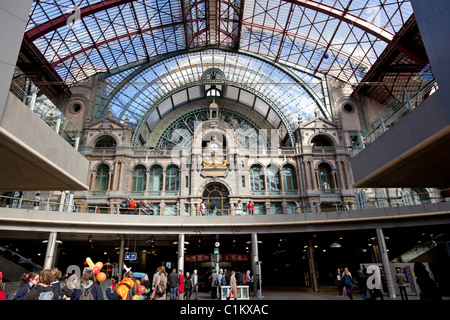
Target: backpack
x=44 y=295
x=87 y=294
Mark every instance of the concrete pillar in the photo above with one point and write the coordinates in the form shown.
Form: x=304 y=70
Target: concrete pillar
x=181 y=253
x=385 y=262
x=51 y=249
x=121 y=257
x=255 y=259
x=312 y=267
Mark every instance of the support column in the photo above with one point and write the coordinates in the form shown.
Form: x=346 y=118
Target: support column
x=385 y=261
x=121 y=257
x=181 y=253
x=347 y=177
x=51 y=249
x=256 y=273
x=312 y=267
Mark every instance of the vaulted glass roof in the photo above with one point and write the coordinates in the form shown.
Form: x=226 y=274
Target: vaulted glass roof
x=280 y=51
x=131 y=93
x=340 y=38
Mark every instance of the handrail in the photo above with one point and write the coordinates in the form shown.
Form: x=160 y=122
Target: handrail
x=299 y=207
x=25 y=260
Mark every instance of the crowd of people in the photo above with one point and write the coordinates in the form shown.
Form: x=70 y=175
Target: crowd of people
x=52 y=285
x=348 y=284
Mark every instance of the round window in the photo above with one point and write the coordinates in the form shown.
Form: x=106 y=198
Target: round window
x=348 y=107
x=75 y=108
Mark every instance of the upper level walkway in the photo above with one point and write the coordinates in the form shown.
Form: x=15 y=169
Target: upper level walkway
x=26 y=220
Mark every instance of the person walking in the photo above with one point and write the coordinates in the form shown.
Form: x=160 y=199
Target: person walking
x=43 y=290
x=362 y=284
x=180 y=285
x=27 y=282
x=233 y=286
x=214 y=278
x=188 y=286
x=348 y=287
x=89 y=289
x=195 y=284
x=400 y=278
x=250 y=208
x=249 y=279
x=160 y=286
x=339 y=280
x=428 y=288
x=71 y=284
x=172 y=282
x=37 y=201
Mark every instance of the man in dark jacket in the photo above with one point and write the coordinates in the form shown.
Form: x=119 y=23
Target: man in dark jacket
x=172 y=282
x=214 y=278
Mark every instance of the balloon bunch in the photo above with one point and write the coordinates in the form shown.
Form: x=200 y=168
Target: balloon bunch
x=101 y=276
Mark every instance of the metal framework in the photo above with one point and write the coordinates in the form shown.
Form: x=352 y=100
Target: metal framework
x=342 y=39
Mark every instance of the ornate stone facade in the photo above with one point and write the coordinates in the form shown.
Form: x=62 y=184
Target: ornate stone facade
x=221 y=162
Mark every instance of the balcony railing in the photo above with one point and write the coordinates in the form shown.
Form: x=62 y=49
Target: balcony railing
x=172 y=210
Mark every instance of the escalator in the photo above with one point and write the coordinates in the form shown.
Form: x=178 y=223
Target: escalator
x=13 y=265
x=417 y=251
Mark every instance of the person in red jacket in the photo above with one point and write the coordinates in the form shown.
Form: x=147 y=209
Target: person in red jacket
x=132 y=206
x=180 y=285
x=251 y=208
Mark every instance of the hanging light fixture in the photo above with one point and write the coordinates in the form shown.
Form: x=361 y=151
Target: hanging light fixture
x=335 y=245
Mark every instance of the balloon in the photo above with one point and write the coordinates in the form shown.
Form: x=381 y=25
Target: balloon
x=89 y=262
x=141 y=289
x=136 y=297
x=138 y=274
x=101 y=277
x=96 y=270
x=99 y=265
x=138 y=283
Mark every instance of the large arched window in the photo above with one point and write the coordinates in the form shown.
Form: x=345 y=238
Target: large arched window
x=257 y=178
x=325 y=177
x=273 y=177
x=156 y=178
x=102 y=178
x=289 y=178
x=321 y=141
x=106 y=142
x=139 y=182
x=172 y=178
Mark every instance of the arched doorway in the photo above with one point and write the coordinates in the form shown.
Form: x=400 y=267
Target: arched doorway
x=216 y=199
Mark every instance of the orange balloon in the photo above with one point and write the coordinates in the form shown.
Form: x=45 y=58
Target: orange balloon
x=101 y=276
x=138 y=282
x=99 y=265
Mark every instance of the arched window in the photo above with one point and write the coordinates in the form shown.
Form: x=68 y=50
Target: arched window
x=289 y=178
x=139 y=182
x=106 y=142
x=325 y=177
x=257 y=178
x=172 y=178
x=156 y=178
x=321 y=141
x=102 y=178
x=273 y=177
